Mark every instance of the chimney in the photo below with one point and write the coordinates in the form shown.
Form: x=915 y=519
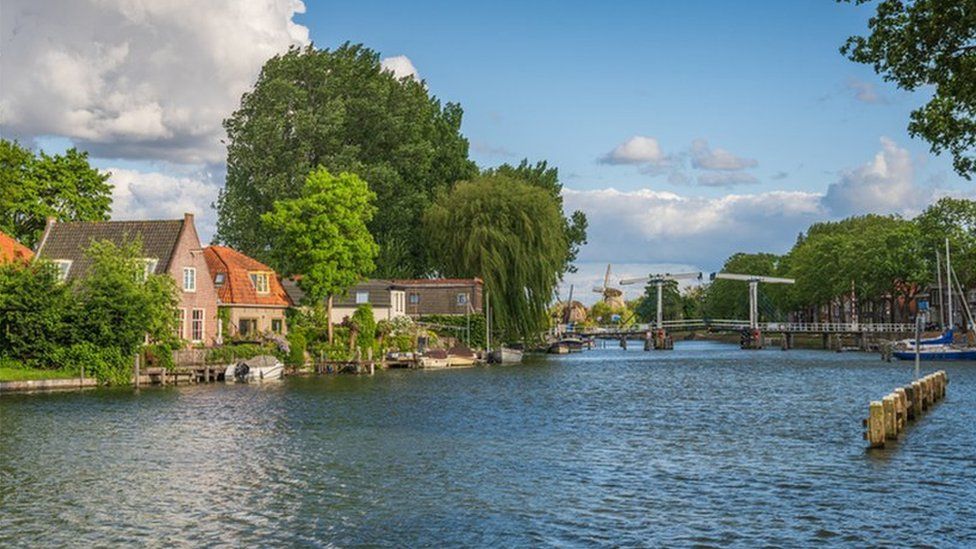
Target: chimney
x=188 y=218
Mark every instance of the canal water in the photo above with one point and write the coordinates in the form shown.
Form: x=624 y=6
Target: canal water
x=706 y=445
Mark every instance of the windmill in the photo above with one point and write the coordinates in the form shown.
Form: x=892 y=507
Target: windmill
x=753 y=281
x=659 y=280
x=611 y=296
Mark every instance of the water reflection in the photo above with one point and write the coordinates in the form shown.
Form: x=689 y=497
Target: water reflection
x=705 y=445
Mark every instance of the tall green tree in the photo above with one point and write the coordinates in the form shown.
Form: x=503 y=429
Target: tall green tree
x=339 y=109
x=672 y=306
x=955 y=219
x=928 y=44
x=545 y=177
x=510 y=233
x=36 y=187
x=322 y=235
x=33 y=311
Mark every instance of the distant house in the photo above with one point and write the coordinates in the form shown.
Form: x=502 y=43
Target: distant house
x=170 y=246
x=249 y=290
x=386 y=299
x=442 y=296
x=11 y=250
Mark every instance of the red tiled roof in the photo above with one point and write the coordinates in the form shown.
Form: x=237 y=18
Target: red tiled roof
x=437 y=281
x=237 y=288
x=11 y=250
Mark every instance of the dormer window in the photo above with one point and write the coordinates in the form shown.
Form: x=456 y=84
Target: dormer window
x=149 y=267
x=261 y=283
x=64 y=267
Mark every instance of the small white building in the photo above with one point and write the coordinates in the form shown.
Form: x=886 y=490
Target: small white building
x=388 y=300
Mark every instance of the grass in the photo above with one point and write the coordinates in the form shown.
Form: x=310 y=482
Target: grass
x=25 y=374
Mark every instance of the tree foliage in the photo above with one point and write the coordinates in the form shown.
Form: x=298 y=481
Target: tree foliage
x=36 y=187
x=33 y=311
x=730 y=298
x=545 y=177
x=510 y=233
x=322 y=234
x=671 y=302
x=955 y=219
x=924 y=43
x=339 y=109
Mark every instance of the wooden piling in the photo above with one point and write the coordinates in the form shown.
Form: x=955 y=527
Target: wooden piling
x=875 y=424
x=890 y=420
x=916 y=400
x=901 y=408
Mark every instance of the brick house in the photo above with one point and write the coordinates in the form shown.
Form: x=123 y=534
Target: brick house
x=385 y=298
x=443 y=296
x=11 y=250
x=249 y=291
x=170 y=246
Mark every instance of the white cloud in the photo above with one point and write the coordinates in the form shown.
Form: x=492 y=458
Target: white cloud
x=638 y=149
x=705 y=158
x=864 y=92
x=726 y=179
x=647 y=226
x=154 y=195
x=136 y=78
x=400 y=66
x=886 y=184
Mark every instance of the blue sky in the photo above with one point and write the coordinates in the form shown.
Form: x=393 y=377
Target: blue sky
x=686 y=131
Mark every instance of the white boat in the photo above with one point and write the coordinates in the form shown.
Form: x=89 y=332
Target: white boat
x=505 y=355
x=433 y=359
x=255 y=370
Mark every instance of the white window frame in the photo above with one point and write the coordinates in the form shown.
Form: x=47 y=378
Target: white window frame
x=192 y=272
x=360 y=299
x=203 y=325
x=266 y=277
x=414 y=298
x=462 y=298
x=281 y=325
x=64 y=267
x=181 y=333
x=149 y=265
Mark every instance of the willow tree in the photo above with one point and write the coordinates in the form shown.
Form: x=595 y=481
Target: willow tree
x=511 y=234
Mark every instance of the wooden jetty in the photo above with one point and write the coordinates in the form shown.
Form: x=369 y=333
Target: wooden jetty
x=889 y=417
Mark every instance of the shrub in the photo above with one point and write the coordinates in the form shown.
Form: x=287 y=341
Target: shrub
x=106 y=364
x=296 y=356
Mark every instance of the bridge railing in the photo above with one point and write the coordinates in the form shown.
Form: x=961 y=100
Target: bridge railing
x=732 y=324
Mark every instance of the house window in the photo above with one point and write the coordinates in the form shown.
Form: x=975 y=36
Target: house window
x=414 y=299
x=277 y=325
x=189 y=279
x=219 y=279
x=196 y=325
x=64 y=266
x=362 y=297
x=149 y=267
x=260 y=283
x=462 y=299
x=181 y=326
x=247 y=326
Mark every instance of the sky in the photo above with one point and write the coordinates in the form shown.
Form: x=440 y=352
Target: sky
x=686 y=131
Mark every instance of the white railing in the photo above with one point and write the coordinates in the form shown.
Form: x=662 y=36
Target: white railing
x=728 y=324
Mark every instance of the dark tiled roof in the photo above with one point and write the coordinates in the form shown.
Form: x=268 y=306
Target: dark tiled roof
x=379 y=293
x=70 y=240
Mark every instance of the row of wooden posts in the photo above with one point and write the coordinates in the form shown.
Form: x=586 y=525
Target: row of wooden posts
x=888 y=417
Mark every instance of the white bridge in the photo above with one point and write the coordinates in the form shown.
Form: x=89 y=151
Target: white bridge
x=726 y=325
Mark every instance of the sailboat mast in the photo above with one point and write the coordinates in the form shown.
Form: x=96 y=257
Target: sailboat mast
x=938 y=273
x=949 y=282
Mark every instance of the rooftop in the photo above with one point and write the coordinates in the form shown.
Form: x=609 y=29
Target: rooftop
x=237 y=286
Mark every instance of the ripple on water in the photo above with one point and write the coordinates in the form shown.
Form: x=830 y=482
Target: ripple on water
x=705 y=446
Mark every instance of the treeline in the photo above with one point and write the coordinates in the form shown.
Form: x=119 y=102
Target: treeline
x=873 y=265
x=316 y=119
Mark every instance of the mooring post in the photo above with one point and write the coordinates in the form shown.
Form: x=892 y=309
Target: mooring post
x=901 y=408
x=890 y=419
x=135 y=378
x=875 y=424
x=917 y=398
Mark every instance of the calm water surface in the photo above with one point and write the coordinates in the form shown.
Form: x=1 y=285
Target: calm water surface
x=706 y=445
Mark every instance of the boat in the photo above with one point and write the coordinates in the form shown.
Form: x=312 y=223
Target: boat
x=942 y=347
x=559 y=348
x=505 y=355
x=461 y=356
x=434 y=358
x=255 y=370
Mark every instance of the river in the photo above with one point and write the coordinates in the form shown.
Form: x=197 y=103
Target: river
x=706 y=445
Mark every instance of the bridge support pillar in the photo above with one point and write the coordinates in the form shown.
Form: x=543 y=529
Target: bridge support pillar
x=623 y=342
x=786 y=343
x=751 y=338
x=825 y=339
